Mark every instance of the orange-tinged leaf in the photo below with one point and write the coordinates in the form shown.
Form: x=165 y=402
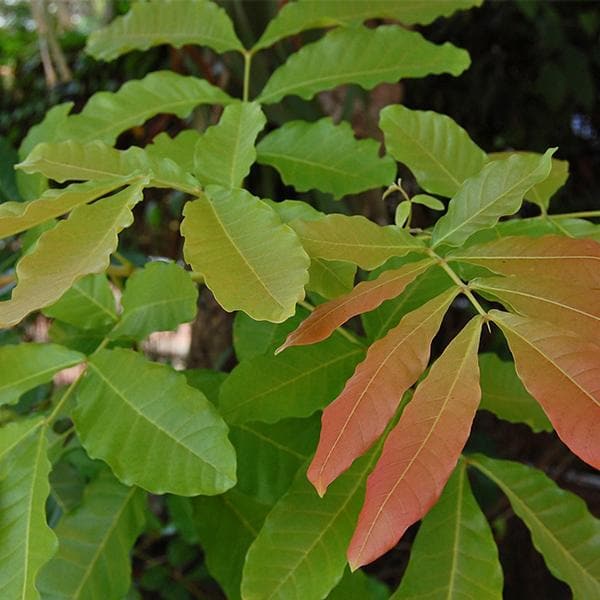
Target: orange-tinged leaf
x=359 y=415
x=554 y=256
x=562 y=372
x=422 y=450
x=366 y=296
x=570 y=306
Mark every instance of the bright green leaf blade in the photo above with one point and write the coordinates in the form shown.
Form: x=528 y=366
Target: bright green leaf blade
x=157 y=298
x=435 y=148
x=296 y=383
x=250 y=260
x=295 y=17
x=354 y=239
x=359 y=586
x=25 y=366
x=498 y=190
x=175 y=23
x=225 y=152
x=179 y=149
x=402 y=213
x=179 y=447
x=562 y=529
x=88 y=304
x=79 y=246
x=503 y=394
x=454 y=554
x=330 y=278
x=326 y=157
x=363 y=56
x=428 y=201
x=26 y=541
x=94 y=544
x=227 y=525
x=16 y=217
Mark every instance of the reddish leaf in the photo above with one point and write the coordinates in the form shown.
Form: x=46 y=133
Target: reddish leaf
x=553 y=256
x=358 y=416
x=562 y=372
x=570 y=306
x=366 y=296
x=421 y=452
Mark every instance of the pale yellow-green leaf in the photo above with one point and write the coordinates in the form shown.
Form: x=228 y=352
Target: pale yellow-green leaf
x=180 y=149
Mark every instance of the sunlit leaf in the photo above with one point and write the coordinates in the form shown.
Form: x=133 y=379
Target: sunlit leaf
x=180 y=447
x=363 y=56
x=428 y=201
x=561 y=527
x=435 y=148
x=180 y=149
x=175 y=23
x=326 y=157
x=371 y=396
x=250 y=260
x=422 y=450
x=562 y=372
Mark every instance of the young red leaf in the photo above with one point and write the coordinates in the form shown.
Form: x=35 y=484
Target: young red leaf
x=366 y=296
x=562 y=372
x=554 y=256
x=358 y=416
x=569 y=306
x=421 y=452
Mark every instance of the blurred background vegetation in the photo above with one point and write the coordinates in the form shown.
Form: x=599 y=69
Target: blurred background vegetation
x=534 y=83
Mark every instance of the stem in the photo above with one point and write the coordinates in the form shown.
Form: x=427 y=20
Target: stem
x=247 y=64
x=575 y=215
x=343 y=332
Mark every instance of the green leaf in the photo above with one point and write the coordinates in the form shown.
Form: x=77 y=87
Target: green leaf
x=308 y=14
x=326 y=157
x=80 y=340
x=402 y=214
x=363 y=56
x=26 y=541
x=359 y=586
x=330 y=278
x=68 y=161
x=503 y=394
x=66 y=482
x=354 y=239
x=428 y=201
x=88 y=304
x=435 y=148
x=295 y=383
x=94 y=543
x=180 y=447
x=76 y=247
x=225 y=152
x=179 y=149
x=255 y=263
x=8 y=184
x=454 y=554
x=207 y=381
x=157 y=298
x=496 y=191
x=227 y=525
x=561 y=527
x=175 y=23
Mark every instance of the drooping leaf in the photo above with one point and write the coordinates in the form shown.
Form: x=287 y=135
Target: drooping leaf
x=25 y=366
x=562 y=372
x=71 y=160
x=366 y=296
x=454 y=554
x=435 y=148
x=157 y=298
x=326 y=157
x=359 y=586
x=503 y=394
x=79 y=246
x=569 y=306
x=422 y=450
x=354 y=239
x=176 y=23
x=363 y=56
x=561 y=527
x=359 y=415
x=255 y=263
x=94 y=543
x=181 y=447
x=308 y=14
x=496 y=191
x=179 y=149
x=294 y=384
x=26 y=541
x=225 y=152
x=551 y=256
x=88 y=304
x=227 y=525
